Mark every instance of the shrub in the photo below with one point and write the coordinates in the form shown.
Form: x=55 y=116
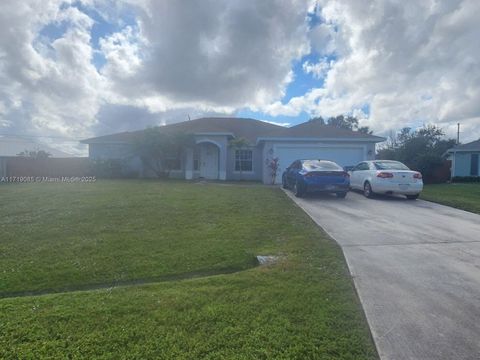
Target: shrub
x=107 y=169
x=466 y=179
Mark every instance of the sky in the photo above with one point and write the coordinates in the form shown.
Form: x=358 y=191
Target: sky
x=70 y=70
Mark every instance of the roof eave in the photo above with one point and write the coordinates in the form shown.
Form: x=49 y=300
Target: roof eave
x=213 y=133
x=374 y=139
x=94 y=141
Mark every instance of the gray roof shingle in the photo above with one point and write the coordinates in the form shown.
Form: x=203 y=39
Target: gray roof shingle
x=250 y=129
x=313 y=129
x=473 y=146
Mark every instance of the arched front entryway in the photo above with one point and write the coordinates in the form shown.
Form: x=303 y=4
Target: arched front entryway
x=208 y=158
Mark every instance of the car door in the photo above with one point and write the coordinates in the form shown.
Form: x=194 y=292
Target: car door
x=292 y=172
x=354 y=177
x=359 y=174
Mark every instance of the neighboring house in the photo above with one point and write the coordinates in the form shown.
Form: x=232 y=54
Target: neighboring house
x=465 y=159
x=213 y=158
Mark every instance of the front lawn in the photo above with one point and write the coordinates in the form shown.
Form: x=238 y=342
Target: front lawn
x=75 y=236
x=462 y=196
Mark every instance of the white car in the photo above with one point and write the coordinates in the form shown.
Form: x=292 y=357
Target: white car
x=386 y=177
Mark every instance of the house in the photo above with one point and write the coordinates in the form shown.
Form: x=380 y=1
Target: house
x=465 y=159
x=213 y=158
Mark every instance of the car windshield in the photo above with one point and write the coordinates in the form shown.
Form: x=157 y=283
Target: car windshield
x=390 y=165
x=320 y=165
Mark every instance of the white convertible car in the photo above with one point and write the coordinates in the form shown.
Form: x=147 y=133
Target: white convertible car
x=386 y=177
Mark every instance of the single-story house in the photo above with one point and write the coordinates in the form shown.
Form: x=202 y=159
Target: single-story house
x=465 y=159
x=213 y=158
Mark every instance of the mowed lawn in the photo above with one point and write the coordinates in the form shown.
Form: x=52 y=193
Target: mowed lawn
x=194 y=245
x=462 y=196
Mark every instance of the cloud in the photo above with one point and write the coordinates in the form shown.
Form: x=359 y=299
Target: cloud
x=160 y=61
x=46 y=85
x=284 y=124
x=83 y=68
x=410 y=62
x=317 y=70
x=221 y=54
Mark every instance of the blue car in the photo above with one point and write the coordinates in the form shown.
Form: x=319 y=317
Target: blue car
x=305 y=176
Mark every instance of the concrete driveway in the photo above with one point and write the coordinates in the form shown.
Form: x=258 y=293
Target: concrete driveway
x=416 y=267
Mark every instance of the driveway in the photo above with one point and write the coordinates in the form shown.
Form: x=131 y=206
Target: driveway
x=416 y=268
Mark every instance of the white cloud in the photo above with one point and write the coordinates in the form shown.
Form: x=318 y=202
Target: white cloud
x=167 y=60
x=317 y=70
x=408 y=62
x=284 y=124
x=48 y=87
x=221 y=54
x=411 y=62
x=122 y=51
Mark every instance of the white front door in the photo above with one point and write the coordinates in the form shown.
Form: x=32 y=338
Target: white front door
x=209 y=161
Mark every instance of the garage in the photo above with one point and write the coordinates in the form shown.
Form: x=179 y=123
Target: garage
x=344 y=155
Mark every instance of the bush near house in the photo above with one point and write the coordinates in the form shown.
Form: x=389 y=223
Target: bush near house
x=111 y=169
x=155 y=147
x=421 y=150
x=466 y=179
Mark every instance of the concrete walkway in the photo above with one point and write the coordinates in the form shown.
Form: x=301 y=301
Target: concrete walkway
x=416 y=267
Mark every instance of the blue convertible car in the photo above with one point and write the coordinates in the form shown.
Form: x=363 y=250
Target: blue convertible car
x=316 y=176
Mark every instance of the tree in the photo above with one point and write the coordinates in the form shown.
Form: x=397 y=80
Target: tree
x=365 y=130
x=317 y=119
x=239 y=144
x=154 y=147
x=344 y=122
x=420 y=150
x=35 y=154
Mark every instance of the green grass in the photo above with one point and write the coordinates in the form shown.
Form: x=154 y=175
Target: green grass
x=57 y=236
x=461 y=196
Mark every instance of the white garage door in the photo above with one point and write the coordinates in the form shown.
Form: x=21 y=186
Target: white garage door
x=344 y=156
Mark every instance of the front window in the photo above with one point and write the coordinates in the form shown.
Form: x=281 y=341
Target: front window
x=243 y=160
x=390 y=165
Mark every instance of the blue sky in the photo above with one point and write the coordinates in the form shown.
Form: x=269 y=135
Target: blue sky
x=392 y=64
x=102 y=28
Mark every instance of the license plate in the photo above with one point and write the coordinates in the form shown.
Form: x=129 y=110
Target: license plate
x=403 y=186
x=330 y=187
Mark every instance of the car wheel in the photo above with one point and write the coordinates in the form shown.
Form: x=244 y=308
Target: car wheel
x=297 y=189
x=412 y=197
x=367 y=190
x=284 y=183
x=341 y=195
